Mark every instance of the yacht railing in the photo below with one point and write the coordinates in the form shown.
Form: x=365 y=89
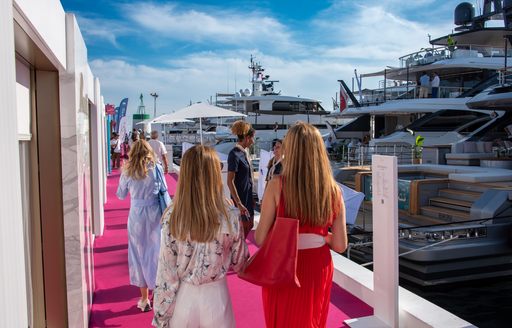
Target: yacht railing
x=193 y=138
x=411 y=91
x=362 y=155
x=505 y=75
x=431 y=55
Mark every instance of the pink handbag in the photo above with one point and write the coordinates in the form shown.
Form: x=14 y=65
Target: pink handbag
x=275 y=263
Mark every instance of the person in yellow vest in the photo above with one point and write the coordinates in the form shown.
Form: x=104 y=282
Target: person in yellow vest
x=451 y=43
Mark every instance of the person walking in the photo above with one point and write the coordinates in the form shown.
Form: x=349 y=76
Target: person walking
x=435 y=85
x=240 y=173
x=159 y=150
x=140 y=180
x=328 y=144
x=306 y=191
x=202 y=239
x=115 y=150
x=274 y=166
x=424 y=85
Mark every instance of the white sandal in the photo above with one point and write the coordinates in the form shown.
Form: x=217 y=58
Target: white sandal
x=144 y=306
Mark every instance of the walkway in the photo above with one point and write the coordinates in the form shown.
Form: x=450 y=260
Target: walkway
x=115 y=300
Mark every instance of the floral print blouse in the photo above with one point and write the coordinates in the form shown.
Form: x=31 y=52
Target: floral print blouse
x=195 y=263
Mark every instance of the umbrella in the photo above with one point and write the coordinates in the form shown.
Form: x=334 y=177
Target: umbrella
x=161 y=120
x=201 y=110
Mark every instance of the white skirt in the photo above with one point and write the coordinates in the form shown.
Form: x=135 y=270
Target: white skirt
x=205 y=306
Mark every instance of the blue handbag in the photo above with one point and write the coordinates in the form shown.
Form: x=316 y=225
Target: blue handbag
x=163 y=196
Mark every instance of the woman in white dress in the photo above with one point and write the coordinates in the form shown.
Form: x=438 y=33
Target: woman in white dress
x=139 y=179
x=202 y=239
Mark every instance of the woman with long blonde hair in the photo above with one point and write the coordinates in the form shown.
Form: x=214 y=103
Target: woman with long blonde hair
x=202 y=239
x=139 y=178
x=307 y=191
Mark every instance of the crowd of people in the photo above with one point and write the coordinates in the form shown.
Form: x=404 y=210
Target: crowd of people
x=184 y=253
x=120 y=150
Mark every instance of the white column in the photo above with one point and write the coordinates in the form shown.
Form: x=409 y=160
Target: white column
x=13 y=304
x=97 y=151
x=385 y=245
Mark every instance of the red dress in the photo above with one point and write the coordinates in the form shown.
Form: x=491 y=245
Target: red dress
x=306 y=306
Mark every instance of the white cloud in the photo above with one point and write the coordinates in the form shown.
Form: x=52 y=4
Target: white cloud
x=97 y=29
x=217 y=26
x=198 y=77
x=367 y=38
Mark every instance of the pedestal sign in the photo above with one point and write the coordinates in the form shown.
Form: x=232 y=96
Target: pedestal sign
x=385 y=245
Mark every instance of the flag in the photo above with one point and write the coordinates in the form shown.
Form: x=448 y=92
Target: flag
x=343 y=99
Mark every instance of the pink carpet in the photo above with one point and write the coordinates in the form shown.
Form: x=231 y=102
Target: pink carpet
x=114 y=303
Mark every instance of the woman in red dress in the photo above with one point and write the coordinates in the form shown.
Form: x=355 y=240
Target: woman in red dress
x=307 y=191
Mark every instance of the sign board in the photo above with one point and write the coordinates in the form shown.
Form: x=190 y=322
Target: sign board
x=385 y=245
x=110 y=109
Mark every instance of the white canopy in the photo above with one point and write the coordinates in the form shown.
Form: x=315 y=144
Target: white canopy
x=200 y=110
x=161 y=120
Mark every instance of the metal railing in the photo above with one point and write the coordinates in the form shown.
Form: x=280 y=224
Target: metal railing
x=376 y=97
x=431 y=55
x=505 y=75
x=194 y=138
x=362 y=155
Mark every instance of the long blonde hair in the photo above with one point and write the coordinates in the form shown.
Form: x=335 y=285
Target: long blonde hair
x=199 y=202
x=140 y=155
x=309 y=189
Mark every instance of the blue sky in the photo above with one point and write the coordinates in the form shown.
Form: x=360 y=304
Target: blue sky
x=189 y=50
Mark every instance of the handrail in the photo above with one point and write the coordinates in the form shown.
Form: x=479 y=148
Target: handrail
x=376 y=96
x=430 y=55
x=361 y=155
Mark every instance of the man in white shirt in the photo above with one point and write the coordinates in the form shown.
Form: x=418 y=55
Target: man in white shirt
x=115 y=150
x=435 y=85
x=159 y=150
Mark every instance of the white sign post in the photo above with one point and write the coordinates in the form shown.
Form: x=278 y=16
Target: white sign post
x=385 y=245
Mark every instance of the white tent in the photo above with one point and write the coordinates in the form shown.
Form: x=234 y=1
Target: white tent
x=162 y=120
x=200 y=110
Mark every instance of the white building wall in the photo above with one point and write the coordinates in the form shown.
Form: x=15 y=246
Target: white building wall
x=77 y=92
x=45 y=26
x=13 y=306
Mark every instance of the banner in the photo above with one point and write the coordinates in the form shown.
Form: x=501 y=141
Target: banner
x=120 y=112
x=123 y=129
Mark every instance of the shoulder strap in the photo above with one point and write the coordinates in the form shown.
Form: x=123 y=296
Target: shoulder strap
x=159 y=177
x=280 y=206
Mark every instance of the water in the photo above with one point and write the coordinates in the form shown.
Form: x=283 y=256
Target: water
x=484 y=303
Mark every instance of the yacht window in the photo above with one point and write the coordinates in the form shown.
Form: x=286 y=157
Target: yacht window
x=473 y=126
x=361 y=123
x=446 y=120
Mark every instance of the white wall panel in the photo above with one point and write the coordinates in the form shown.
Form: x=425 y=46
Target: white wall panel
x=13 y=306
x=97 y=151
x=47 y=22
x=23 y=100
